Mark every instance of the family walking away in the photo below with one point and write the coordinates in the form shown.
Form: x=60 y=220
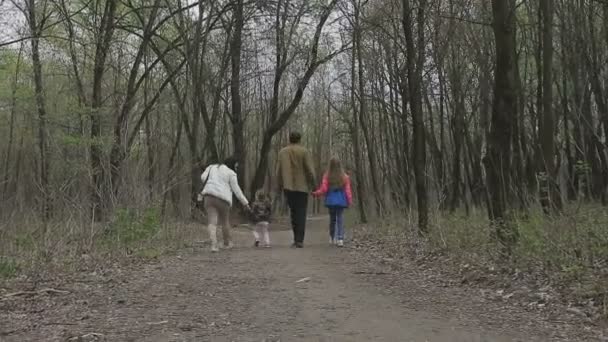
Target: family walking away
x=336 y=187
x=219 y=184
x=296 y=178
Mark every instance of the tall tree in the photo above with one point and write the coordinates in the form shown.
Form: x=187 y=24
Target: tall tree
x=11 y=134
x=547 y=127
x=37 y=13
x=238 y=121
x=504 y=110
x=354 y=129
x=415 y=67
x=103 y=40
x=363 y=105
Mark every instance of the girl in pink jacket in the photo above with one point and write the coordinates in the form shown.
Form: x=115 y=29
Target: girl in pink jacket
x=336 y=187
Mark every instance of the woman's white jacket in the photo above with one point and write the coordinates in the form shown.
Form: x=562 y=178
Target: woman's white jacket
x=222 y=182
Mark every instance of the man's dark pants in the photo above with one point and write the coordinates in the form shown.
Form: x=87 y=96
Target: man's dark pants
x=298 y=205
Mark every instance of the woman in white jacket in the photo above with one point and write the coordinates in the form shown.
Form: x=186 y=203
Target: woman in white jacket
x=220 y=182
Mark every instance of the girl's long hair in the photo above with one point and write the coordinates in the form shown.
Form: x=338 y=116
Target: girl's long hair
x=335 y=173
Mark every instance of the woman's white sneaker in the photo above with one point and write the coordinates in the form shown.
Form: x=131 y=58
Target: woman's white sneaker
x=340 y=243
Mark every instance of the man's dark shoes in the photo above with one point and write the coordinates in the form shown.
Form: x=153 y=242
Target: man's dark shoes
x=299 y=245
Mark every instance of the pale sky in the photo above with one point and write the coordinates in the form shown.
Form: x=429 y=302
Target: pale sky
x=11 y=20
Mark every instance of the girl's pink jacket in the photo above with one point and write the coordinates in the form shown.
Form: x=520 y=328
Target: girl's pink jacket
x=324 y=188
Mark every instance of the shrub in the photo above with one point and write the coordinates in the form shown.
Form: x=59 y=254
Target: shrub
x=131 y=226
x=8 y=267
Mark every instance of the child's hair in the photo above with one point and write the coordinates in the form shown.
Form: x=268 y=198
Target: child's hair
x=261 y=196
x=335 y=173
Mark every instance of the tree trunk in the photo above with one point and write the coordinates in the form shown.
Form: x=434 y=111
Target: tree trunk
x=498 y=159
x=371 y=149
x=168 y=188
x=597 y=86
x=238 y=121
x=354 y=133
x=149 y=152
x=102 y=47
x=547 y=123
x=458 y=136
x=415 y=65
x=11 y=134
x=43 y=144
x=593 y=180
x=442 y=145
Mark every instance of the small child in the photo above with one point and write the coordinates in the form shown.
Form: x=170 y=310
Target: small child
x=336 y=187
x=261 y=210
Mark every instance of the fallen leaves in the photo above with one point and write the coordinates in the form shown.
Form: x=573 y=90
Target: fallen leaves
x=489 y=283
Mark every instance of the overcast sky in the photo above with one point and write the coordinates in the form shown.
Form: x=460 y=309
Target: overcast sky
x=11 y=20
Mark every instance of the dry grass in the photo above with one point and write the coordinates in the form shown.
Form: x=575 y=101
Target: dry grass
x=74 y=243
x=570 y=250
x=567 y=252
x=576 y=239
x=28 y=247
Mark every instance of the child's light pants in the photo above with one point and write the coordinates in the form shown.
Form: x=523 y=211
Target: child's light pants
x=261 y=229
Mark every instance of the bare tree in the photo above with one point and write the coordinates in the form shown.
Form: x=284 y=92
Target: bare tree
x=37 y=14
x=414 y=65
x=237 y=119
x=283 y=59
x=551 y=197
x=11 y=134
x=102 y=45
x=498 y=159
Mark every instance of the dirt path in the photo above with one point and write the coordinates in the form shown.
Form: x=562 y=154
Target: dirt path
x=249 y=294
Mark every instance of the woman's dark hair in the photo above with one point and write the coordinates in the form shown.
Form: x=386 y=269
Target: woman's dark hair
x=212 y=161
x=231 y=162
x=295 y=137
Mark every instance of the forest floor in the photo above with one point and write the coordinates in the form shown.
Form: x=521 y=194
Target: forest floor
x=318 y=293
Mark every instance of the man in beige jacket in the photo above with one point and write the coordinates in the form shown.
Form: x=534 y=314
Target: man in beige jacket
x=296 y=178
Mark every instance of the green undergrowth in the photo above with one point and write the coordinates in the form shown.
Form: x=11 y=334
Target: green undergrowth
x=130 y=227
x=563 y=245
x=27 y=246
x=8 y=268
x=570 y=250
